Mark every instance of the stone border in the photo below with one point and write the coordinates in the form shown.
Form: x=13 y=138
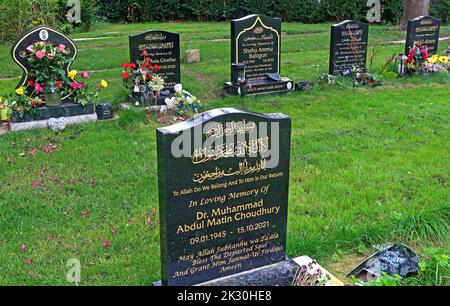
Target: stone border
x=42 y=124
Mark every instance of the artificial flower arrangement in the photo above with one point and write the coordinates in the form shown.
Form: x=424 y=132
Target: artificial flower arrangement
x=436 y=64
x=141 y=77
x=183 y=103
x=82 y=92
x=50 y=80
x=417 y=56
x=363 y=78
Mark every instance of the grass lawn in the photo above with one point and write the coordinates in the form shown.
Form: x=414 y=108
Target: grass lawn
x=368 y=165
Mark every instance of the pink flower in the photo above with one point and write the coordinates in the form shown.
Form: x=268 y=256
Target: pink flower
x=38 y=88
x=29 y=261
x=80 y=85
x=106 y=244
x=74 y=85
x=61 y=47
x=40 y=54
x=23 y=247
x=114 y=230
x=85 y=75
x=30 y=48
x=85 y=213
x=50 y=56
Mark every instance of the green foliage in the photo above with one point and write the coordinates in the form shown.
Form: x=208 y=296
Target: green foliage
x=434 y=270
x=425 y=225
x=309 y=11
x=440 y=9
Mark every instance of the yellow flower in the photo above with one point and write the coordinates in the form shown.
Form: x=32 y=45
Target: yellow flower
x=104 y=84
x=444 y=59
x=433 y=60
x=72 y=74
x=20 y=91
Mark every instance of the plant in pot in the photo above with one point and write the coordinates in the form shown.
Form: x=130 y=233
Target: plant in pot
x=49 y=75
x=142 y=80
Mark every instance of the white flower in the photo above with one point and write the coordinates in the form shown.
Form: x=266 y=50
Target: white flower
x=136 y=88
x=189 y=100
x=178 y=88
x=163 y=109
x=137 y=103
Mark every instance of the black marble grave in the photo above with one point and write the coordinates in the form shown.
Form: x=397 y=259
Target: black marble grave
x=223 y=198
x=256 y=42
x=423 y=30
x=164 y=49
x=67 y=109
x=38 y=34
x=348 y=46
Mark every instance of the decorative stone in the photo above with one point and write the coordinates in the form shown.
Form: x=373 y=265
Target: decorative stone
x=58 y=124
x=193 y=56
x=42 y=124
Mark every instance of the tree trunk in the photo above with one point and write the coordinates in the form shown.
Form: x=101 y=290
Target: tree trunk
x=413 y=9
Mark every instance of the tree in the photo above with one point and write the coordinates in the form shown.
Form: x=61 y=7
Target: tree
x=413 y=9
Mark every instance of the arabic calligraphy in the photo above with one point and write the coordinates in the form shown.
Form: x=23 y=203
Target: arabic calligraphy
x=231 y=128
x=242 y=149
x=245 y=168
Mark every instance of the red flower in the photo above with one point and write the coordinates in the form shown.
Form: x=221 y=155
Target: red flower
x=133 y=66
x=144 y=52
x=125 y=75
x=150 y=77
x=33 y=103
x=125 y=65
x=412 y=53
x=59 y=84
x=157 y=68
x=74 y=85
x=40 y=102
x=148 y=59
x=30 y=83
x=144 y=65
x=106 y=244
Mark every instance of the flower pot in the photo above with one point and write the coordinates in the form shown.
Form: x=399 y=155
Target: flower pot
x=52 y=96
x=3 y=114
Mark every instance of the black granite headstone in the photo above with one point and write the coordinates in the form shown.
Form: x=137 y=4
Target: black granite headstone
x=349 y=40
x=164 y=49
x=423 y=30
x=256 y=43
x=35 y=35
x=223 y=192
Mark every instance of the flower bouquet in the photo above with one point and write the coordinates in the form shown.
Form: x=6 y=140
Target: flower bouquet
x=82 y=92
x=183 y=103
x=142 y=80
x=417 y=56
x=363 y=78
x=435 y=64
x=48 y=70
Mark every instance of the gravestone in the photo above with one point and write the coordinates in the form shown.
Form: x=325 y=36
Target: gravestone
x=256 y=42
x=164 y=49
x=223 y=192
x=37 y=34
x=72 y=112
x=348 y=47
x=423 y=30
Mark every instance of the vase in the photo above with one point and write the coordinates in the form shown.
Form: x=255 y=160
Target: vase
x=52 y=96
x=3 y=114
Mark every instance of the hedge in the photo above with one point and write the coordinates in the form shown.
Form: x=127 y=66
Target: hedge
x=18 y=15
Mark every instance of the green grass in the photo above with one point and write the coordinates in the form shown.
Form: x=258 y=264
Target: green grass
x=368 y=165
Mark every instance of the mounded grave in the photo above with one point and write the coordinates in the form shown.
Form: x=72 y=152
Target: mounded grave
x=425 y=31
x=223 y=192
x=256 y=42
x=164 y=49
x=74 y=113
x=348 y=46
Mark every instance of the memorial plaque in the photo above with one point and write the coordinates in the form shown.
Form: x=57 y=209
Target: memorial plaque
x=423 y=30
x=223 y=192
x=349 y=40
x=256 y=42
x=164 y=49
x=37 y=34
